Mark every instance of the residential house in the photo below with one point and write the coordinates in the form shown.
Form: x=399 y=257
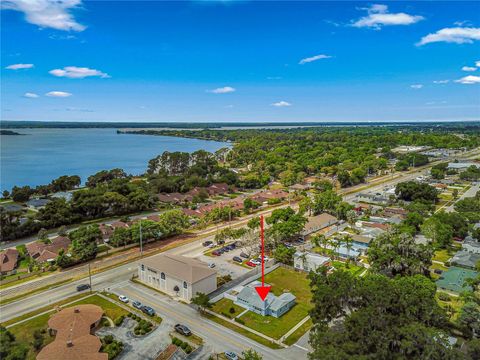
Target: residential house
x=299 y=187
x=73 y=329
x=119 y=224
x=462 y=165
x=106 y=231
x=263 y=196
x=217 y=189
x=317 y=223
x=37 y=203
x=275 y=306
x=469 y=256
x=42 y=252
x=8 y=261
x=308 y=261
x=177 y=275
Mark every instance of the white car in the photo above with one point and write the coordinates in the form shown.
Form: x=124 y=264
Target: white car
x=211 y=265
x=256 y=262
x=123 y=299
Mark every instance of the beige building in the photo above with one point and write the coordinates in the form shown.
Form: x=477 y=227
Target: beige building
x=177 y=275
x=318 y=222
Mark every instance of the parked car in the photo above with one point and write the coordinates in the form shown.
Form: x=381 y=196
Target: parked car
x=182 y=329
x=245 y=256
x=230 y=355
x=216 y=253
x=438 y=271
x=137 y=304
x=251 y=264
x=288 y=245
x=221 y=242
x=212 y=245
x=231 y=246
x=256 y=261
x=225 y=249
x=207 y=243
x=211 y=265
x=82 y=287
x=237 y=259
x=123 y=298
x=148 y=310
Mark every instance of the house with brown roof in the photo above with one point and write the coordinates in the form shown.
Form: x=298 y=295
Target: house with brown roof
x=42 y=252
x=264 y=196
x=317 y=223
x=178 y=276
x=217 y=189
x=106 y=231
x=8 y=261
x=73 y=329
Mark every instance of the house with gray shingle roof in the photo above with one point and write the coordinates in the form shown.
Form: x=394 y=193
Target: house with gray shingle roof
x=275 y=306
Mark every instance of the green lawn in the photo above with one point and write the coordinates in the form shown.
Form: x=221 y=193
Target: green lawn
x=112 y=310
x=442 y=255
x=244 y=332
x=297 y=334
x=276 y=327
x=223 y=307
x=352 y=268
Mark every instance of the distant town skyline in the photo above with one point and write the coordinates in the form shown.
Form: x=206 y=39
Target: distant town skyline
x=240 y=61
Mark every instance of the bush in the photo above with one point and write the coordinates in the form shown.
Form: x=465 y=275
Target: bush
x=444 y=297
x=188 y=349
x=118 y=321
x=184 y=345
x=37 y=340
x=176 y=341
x=108 y=339
x=232 y=310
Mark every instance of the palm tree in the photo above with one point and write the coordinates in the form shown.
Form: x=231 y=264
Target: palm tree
x=348 y=241
x=303 y=259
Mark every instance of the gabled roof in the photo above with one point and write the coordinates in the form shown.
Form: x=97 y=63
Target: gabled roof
x=43 y=252
x=187 y=269
x=281 y=301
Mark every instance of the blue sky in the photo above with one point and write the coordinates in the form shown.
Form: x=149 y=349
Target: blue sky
x=199 y=61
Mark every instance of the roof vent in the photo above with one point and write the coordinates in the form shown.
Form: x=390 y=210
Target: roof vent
x=76 y=310
x=69 y=343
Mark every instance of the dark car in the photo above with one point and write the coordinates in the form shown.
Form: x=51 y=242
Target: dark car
x=207 y=243
x=438 y=271
x=182 y=329
x=237 y=259
x=230 y=247
x=224 y=249
x=245 y=256
x=137 y=304
x=220 y=242
x=216 y=253
x=82 y=287
x=148 y=310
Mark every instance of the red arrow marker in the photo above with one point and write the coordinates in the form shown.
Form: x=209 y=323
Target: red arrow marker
x=262 y=290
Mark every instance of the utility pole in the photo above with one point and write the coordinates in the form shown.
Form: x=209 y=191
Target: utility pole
x=141 y=242
x=90 y=277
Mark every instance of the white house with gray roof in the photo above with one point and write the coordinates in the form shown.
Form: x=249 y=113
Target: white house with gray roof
x=178 y=276
x=275 y=306
x=308 y=261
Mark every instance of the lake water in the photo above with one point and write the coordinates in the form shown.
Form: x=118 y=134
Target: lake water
x=44 y=154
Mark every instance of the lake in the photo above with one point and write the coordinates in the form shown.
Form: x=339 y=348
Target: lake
x=44 y=154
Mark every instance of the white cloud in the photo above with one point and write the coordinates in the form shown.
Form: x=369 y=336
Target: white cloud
x=53 y=14
x=74 y=72
x=30 y=95
x=469 y=68
x=416 y=86
x=59 y=94
x=379 y=16
x=441 y=81
x=458 y=35
x=274 y=78
x=222 y=90
x=281 y=104
x=470 y=79
x=477 y=63
x=19 y=66
x=314 y=58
